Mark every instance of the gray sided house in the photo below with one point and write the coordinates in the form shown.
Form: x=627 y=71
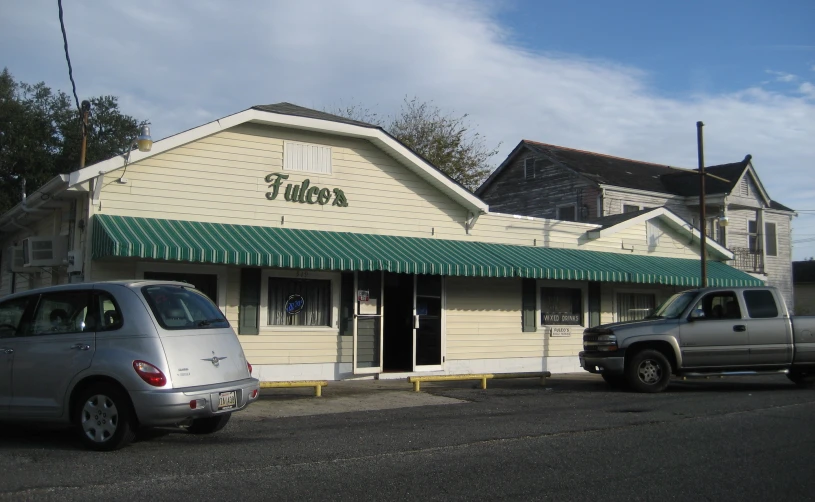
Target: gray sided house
x=549 y=181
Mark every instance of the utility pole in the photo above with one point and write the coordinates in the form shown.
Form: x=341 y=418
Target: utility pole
x=702 y=216
x=86 y=109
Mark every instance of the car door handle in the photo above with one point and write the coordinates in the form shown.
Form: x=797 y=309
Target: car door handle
x=739 y=327
x=7 y=351
x=81 y=346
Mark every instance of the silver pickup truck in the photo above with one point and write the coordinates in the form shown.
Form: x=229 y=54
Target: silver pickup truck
x=704 y=332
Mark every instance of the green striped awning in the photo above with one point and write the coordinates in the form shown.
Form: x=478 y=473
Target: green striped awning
x=245 y=245
x=177 y=240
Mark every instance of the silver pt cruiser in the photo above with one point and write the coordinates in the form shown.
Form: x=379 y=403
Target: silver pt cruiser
x=111 y=357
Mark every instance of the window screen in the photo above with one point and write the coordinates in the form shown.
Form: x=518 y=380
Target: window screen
x=299 y=302
x=561 y=306
x=634 y=306
x=566 y=213
x=770 y=239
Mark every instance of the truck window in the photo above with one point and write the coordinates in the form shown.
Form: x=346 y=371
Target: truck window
x=760 y=304
x=718 y=305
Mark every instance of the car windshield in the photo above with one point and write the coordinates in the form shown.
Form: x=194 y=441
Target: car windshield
x=178 y=307
x=673 y=306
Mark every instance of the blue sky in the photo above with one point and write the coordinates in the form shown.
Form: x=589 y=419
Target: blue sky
x=627 y=78
x=687 y=46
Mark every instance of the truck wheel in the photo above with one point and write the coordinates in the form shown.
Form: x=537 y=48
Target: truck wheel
x=209 y=425
x=648 y=371
x=615 y=381
x=802 y=378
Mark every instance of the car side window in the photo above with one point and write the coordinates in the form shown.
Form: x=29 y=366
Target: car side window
x=109 y=312
x=760 y=304
x=11 y=313
x=61 y=312
x=717 y=306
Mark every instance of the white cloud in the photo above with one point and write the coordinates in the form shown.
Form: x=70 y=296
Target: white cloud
x=183 y=63
x=782 y=76
x=807 y=89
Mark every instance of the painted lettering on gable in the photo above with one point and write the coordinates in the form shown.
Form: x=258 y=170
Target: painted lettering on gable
x=304 y=192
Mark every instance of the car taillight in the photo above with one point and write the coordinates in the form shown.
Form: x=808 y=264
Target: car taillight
x=250 y=367
x=150 y=373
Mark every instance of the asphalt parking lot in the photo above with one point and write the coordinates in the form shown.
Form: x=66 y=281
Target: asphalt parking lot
x=715 y=439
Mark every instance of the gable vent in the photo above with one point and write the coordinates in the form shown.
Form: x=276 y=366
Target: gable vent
x=744 y=187
x=306 y=157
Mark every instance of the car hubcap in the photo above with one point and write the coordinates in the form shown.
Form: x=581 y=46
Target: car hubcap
x=650 y=372
x=99 y=418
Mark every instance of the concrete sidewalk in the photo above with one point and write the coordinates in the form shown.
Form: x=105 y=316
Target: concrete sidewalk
x=368 y=395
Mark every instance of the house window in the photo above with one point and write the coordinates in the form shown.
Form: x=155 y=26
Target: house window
x=629 y=208
x=752 y=236
x=561 y=306
x=771 y=242
x=634 y=306
x=567 y=213
x=529 y=169
x=306 y=157
x=299 y=302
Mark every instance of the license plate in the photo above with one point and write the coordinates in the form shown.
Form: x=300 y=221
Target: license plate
x=227 y=400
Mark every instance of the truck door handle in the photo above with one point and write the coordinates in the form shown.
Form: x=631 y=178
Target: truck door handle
x=81 y=346
x=739 y=327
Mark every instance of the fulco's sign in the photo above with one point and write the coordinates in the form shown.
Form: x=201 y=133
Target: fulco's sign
x=304 y=193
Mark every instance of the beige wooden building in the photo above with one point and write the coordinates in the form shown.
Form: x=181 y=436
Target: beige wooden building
x=336 y=252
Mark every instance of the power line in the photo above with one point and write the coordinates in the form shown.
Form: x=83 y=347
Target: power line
x=67 y=57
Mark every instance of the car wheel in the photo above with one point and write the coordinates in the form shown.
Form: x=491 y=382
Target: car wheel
x=615 y=381
x=104 y=417
x=648 y=371
x=209 y=425
x=802 y=378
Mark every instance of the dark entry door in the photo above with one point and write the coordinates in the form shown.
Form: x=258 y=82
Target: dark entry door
x=428 y=344
x=205 y=283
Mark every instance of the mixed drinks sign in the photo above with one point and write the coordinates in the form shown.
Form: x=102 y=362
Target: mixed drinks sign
x=303 y=192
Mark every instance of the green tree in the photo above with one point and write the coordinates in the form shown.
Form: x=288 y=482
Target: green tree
x=446 y=140
x=41 y=135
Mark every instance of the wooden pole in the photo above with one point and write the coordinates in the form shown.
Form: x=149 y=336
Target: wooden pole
x=86 y=108
x=702 y=216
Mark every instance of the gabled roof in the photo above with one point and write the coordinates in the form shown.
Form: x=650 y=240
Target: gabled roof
x=299 y=111
x=297 y=117
x=610 y=225
x=605 y=169
x=803 y=272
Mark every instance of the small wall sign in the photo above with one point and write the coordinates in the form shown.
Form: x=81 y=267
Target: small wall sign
x=560 y=332
x=294 y=304
x=304 y=193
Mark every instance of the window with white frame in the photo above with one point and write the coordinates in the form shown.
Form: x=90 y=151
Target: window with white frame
x=299 y=302
x=306 y=157
x=771 y=239
x=567 y=213
x=752 y=236
x=634 y=306
x=561 y=306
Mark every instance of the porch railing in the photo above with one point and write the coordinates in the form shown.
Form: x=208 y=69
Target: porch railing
x=748 y=260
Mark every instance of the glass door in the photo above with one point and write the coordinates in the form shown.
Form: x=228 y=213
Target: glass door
x=427 y=323
x=368 y=322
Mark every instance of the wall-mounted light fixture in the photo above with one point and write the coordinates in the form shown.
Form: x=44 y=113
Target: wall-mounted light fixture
x=144 y=142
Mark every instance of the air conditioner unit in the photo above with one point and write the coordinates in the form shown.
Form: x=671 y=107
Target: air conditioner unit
x=13 y=260
x=49 y=251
